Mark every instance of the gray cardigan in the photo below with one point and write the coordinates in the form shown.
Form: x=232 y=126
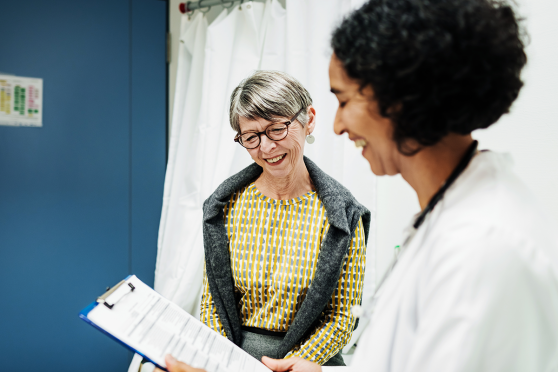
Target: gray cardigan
x=343 y=212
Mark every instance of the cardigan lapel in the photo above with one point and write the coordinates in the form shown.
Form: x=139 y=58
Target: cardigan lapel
x=216 y=248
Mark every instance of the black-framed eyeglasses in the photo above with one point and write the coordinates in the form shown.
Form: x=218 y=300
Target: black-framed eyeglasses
x=275 y=132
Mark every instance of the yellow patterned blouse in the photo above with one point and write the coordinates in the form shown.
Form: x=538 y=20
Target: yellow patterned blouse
x=274 y=246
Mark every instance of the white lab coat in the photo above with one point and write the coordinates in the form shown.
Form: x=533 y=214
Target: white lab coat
x=477 y=287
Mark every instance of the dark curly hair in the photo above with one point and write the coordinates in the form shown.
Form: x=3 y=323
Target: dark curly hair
x=435 y=66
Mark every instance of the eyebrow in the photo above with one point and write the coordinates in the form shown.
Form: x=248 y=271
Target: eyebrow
x=270 y=124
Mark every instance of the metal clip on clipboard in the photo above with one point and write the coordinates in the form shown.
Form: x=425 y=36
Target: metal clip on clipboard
x=104 y=298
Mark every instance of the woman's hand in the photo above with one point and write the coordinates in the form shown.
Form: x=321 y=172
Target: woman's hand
x=174 y=365
x=294 y=364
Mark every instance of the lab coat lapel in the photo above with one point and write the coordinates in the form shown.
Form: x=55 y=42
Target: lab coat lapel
x=386 y=317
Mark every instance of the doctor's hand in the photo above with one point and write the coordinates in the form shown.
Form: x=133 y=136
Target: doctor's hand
x=174 y=365
x=294 y=364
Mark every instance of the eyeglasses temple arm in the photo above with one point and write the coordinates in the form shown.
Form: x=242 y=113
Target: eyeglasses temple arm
x=296 y=116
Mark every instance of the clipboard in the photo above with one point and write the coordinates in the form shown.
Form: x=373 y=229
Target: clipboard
x=102 y=300
x=139 y=318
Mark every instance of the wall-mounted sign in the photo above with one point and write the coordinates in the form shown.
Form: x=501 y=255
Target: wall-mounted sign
x=21 y=101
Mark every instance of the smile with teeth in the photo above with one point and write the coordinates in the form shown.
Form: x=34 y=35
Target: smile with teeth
x=276 y=159
x=360 y=143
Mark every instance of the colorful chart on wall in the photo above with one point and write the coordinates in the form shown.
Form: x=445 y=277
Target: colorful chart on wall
x=21 y=101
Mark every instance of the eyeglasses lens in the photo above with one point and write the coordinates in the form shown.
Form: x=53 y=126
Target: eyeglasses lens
x=275 y=132
x=250 y=140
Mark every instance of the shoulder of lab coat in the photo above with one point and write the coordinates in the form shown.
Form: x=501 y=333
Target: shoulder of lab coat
x=487 y=293
x=481 y=292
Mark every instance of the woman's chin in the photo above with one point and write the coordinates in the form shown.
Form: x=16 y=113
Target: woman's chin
x=376 y=167
x=380 y=170
x=376 y=172
x=276 y=172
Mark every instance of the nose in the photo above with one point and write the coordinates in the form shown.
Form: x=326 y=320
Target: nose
x=338 y=125
x=266 y=145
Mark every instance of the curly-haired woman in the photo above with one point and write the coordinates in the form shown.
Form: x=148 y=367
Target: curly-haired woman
x=475 y=287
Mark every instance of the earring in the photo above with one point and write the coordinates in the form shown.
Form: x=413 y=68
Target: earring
x=310 y=139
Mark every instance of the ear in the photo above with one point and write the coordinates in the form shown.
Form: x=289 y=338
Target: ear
x=311 y=120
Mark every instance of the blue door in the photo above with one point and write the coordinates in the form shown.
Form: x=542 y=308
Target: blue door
x=80 y=197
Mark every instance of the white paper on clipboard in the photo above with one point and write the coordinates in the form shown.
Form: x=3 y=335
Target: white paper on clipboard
x=146 y=322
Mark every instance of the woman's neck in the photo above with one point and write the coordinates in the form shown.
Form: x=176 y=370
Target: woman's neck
x=430 y=168
x=293 y=185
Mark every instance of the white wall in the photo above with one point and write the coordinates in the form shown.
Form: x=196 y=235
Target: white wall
x=529 y=133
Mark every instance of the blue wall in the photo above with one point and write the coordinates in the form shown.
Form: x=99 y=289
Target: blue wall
x=80 y=198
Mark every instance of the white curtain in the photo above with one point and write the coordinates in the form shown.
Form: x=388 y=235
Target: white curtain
x=213 y=59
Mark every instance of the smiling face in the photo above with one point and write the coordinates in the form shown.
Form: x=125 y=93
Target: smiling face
x=358 y=116
x=279 y=158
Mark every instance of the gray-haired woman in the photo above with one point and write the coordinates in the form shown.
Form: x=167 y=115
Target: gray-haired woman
x=284 y=242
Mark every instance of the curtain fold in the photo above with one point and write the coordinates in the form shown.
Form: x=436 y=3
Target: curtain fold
x=179 y=268
x=213 y=59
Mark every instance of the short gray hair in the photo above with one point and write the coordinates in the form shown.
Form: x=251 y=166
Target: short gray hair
x=269 y=95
